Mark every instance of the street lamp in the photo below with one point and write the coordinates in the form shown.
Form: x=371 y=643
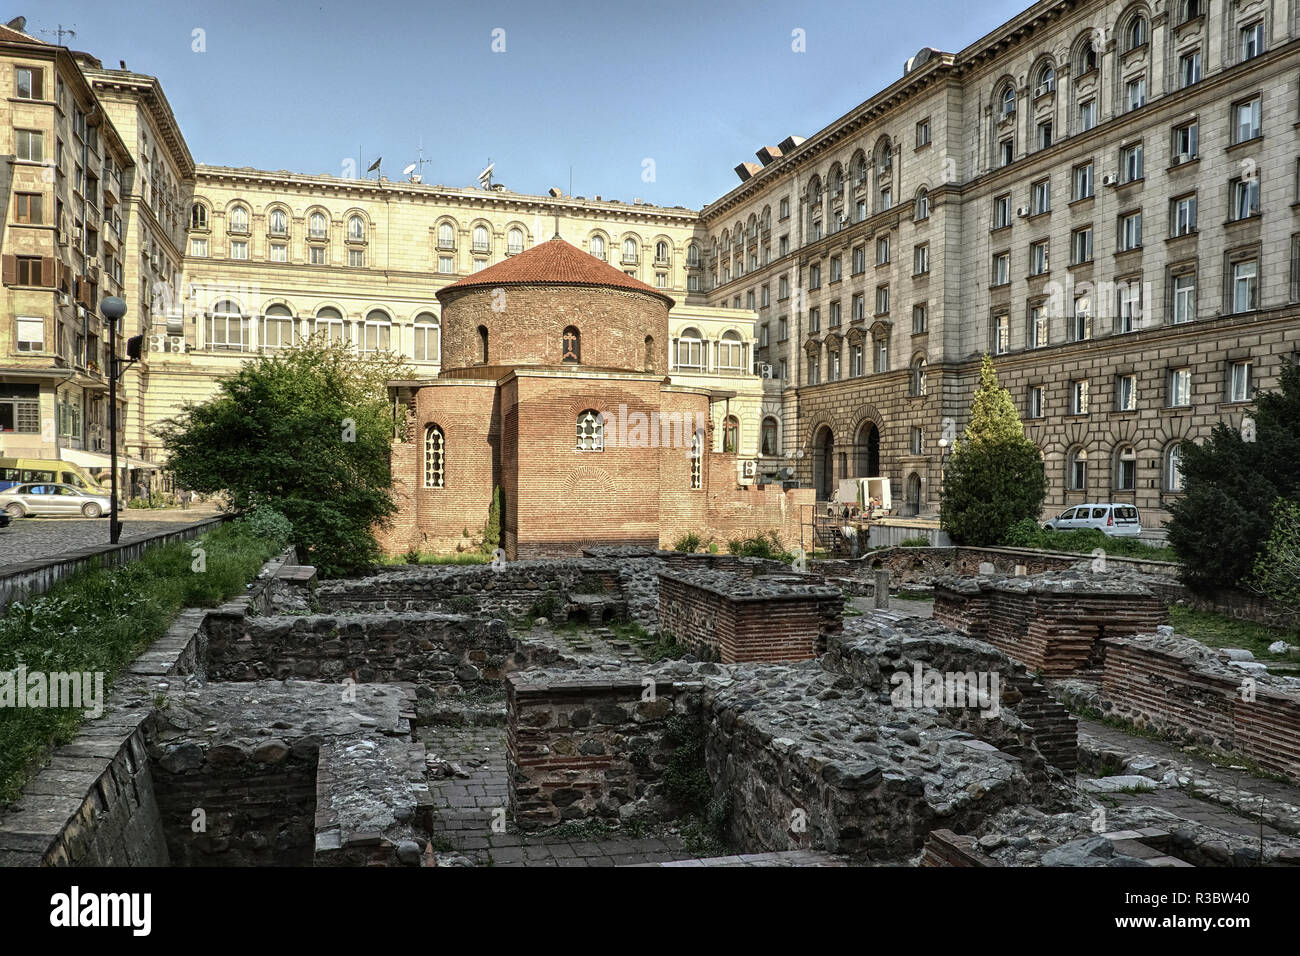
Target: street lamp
x=113 y=309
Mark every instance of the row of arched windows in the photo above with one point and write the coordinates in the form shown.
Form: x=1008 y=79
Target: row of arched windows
x=1123 y=468
x=598 y=246
x=277 y=222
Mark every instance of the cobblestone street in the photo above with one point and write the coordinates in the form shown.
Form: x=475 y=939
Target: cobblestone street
x=27 y=539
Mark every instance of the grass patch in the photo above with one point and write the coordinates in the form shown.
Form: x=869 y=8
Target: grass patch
x=1217 y=630
x=914 y=543
x=1028 y=534
x=100 y=621
x=420 y=557
x=915 y=595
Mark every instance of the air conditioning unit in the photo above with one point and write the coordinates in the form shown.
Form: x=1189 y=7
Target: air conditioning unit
x=765 y=370
x=1110 y=179
x=1046 y=87
x=748 y=471
x=1022 y=212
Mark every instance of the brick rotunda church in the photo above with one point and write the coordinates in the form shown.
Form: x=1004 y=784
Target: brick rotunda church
x=554 y=388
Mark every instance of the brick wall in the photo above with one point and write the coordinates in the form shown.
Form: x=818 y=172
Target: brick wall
x=730 y=619
x=1179 y=687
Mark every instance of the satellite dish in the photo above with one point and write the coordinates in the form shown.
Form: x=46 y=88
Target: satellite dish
x=408 y=170
x=17 y=23
x=485 y=177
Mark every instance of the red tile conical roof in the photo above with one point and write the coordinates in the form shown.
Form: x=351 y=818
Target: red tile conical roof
x=553 y=263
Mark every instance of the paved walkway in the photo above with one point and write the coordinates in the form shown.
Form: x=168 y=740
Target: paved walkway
x=27 y=539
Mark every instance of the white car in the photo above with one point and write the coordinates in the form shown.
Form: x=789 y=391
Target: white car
x=53 y=499
x=1118 y=520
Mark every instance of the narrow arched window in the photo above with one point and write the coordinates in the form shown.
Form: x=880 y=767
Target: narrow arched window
x=697 y=461
x=649 y=353
x=598 y=246
x=483 y=343
x=515 y=241
x=446 y=236
x=316 y=225
x=239 y=219
x=769 y=445
x=198 y=216
x=482 y=241
x=591 y=431
x=1174 y=470
x=571 y=345
x=731 y=434
x=356 y=228
x=279 y=222
x=435 y=458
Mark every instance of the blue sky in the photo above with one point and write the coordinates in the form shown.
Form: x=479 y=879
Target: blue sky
x=696 y=86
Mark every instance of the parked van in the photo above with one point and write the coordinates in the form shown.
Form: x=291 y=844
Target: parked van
x=18 y=471
x=1119 y=520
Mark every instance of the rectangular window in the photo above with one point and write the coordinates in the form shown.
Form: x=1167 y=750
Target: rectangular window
x=1034 y=404
x=923 y=133
x=1239 y=382
x=316 y=255
x=858 y=307
x=1129 y=305
x=1038 y=260
x=1182 y=215
x=1040 y=197
x=882 y=299
x=1044 y=134
x=782 y=329
x=1001 y=337
x=1001 y=268
x=1189 y=68
x=814 y=371
x=837 y=270
x=1087 y=115
x=1006 y=152
x=762 y=336
x=882 y=250
x=29 y=270
x=1082 y=180
x=1079 y=397
x=279 y=252
x=782 y=288
x=446 y=265
x=765 y=296
x=376 y=337
x=834 y=312
x=238 y=250
x=859 y=260
x=199 y=248
x=1245 y=286
x=692 y=283
x=921 y=259
x=1252 y=40
x=881 y=348
x=1130 y=231
x=27 y=208
x=1081 y=245
x=29 y=83
x=855 y=361
x=356 y=258
x=1135 y=92
x=1186 y=143
x=1184 y=296
x=1180 y=387
x=814 y=276
x=919 y=319
x=1001 y=211
x=278 y=333
x=31 y=334
x=1246 y=120
x=1081 y=321
x=814 y=320
x=29 y=145
x=1244 y=197
x=1125 y=393
x=833 y=366
x=784 y=208
x=1130 y=163
x=1036 y=334
x=227 y=331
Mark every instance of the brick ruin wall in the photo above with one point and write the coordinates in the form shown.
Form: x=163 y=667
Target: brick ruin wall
x=1176 y=685
x=1052 y=626
x=724 y=618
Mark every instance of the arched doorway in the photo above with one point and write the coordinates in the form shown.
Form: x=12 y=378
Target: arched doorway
x=824 y=463
x=913 y=495
x=866 y=446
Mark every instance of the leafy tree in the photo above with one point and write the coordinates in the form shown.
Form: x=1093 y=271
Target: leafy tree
x=1220 y=524
x=1277 y=569
x=492 y=528
x=305 y=431
x=994 y=477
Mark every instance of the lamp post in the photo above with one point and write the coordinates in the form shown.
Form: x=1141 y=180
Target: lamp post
x=113 y=309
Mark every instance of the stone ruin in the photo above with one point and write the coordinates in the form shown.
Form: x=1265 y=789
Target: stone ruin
x=294 y=726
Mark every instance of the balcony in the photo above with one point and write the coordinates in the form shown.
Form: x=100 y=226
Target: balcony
x=446 y=245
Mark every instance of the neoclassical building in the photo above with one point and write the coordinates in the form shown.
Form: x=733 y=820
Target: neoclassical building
x=554 y=387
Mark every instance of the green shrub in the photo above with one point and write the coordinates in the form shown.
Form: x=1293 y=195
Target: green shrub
x=268 y=524
x=760 y=546
x=1277 y=569
x=914 y=543
x=688 y=543
x=1024 y=533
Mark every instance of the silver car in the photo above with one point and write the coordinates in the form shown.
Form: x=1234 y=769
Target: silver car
x=52 y=499
x=1116 y=520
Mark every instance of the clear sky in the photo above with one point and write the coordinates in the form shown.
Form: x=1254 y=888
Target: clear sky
x=694 y=85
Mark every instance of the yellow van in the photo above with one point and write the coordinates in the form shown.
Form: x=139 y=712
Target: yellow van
x=17 y=471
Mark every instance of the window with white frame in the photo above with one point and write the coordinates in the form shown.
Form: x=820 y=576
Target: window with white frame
x=1077 y=472
x=1245 y=197
x=1180 y=387
x=515 y=241
x=882 y=250
x=31 y=334
x=1135 y=92
x=1082 y=180
x=1079 y=396
x=1040 y=197
x=1081 y=322
x=1034 y=402
x=1081 y=245
x=1239 y=381
x=239 y=219
x=1251 y=40
x=1087 y=115
x=1001 y=211
x=882 y=299
x=377 y=332
x=1174 y=467
x=1126 y=469
x=426 y=346
x=277 y=327
x=1125 y=393
x=1186 y=141
x=227 y=328
x=1037 y=329
x=1189 y=68
x=921 y=259
x=316 y=255
x=279 y=222
x=329 y=325
x=1182 y=215
x=317 y=225
x=690 y=349
x=1038 y=258
x=1001 y=268
x=731 y=353
x=1184 y=298
x=591 y=431
x=1130 y=231
x=1245 y=285
x=1128 y=312
x=1001 y=337
x=238 y=249
x=1130 y=163
x=1246 y=120
x=279 y=252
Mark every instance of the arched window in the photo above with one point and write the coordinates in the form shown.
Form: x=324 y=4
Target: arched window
x=1008 y=100
x=227 y=328
x=279 y=222
x=1046 y=81
x=571 y=345
x=918 y=377
x=837 y=182
x=435 y=458
x=690 y=349
x=427 y=346
x=649 y=353
x=239 y=219
x=1077 y=477
x=661 y=253
x=1126 y=469
x=629 y=250
x=356 y=228
x=769 y=438
x=731 y=434
x=692 y=255
x=591 y=431
x=277 y=330
x=1136 y=34
x=446 y=236
x=697 y=463
x=922 y=205
x=329 y=322
x=481 y=243
x=1191 y=10
x=1087 y=57
x=515 y=241
x=317 y=225
x=377 y=332
x=483 y=344
x=731 y=353
x=598 y=246
x=1174 y=467
x=198 y=216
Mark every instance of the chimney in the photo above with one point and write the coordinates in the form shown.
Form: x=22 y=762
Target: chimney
x=790 y=143
x=746 y=170
x=768 y=154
